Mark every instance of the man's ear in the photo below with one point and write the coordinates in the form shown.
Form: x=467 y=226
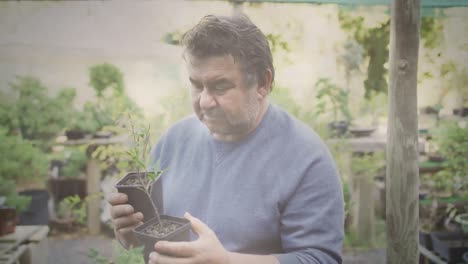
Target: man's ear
x=264 y=85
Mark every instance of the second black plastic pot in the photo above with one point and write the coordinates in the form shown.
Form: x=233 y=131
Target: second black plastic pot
x=180 y=234
x=37 y=212
x=453 y=247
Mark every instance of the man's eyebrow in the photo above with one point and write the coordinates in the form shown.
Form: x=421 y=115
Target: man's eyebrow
x=194 y=81
x=221 y=80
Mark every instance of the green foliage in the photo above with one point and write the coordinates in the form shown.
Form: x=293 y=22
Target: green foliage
x=353 y=55
x=328 y=92
x=351 y=240
x=459 y=81
x=375 y=42
x=282 y=97
x=452 y=141
x=139 y=152
x=367 y=165
x=172 y=38
x=75 y=162
x=431 y=31
x=38 y=116
x=13 y=199
x=376 y=45
x=85 y=120
x=106 y=76
x=20 y=159
x=277 y=42
x=8 y=119
x=121 y=255
x=72 y=208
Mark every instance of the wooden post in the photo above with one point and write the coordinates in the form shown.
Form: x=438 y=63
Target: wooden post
x=93 y=183
x=402 y=136
x=366 y=216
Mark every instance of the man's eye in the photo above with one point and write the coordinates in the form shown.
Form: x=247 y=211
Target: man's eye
x=197 y=87
x=221 y=87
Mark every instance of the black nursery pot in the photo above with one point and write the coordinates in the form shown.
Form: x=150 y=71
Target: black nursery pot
x=75 y=134
x=338 y=129
x=137 y=196
x=182 y=233
x=425 y=239
x=37 y=212
x=453 y=247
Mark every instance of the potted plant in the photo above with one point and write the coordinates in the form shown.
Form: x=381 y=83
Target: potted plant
x=138 y=187
x=11 y=204
x=82 y=123
x=24 y=165
x=70 y=178
x=338 y=98
x=37 y=116
x=452 y=141
x=462 y=220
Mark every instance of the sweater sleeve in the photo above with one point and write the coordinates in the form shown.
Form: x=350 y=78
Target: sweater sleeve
x=312 y=221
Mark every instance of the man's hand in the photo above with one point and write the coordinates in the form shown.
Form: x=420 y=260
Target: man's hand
x=124 y=218
x=205 y=250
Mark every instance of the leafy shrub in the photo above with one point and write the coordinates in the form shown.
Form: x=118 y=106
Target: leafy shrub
x=452 y=141
x=75 y=163
x=33 y=113
x=20 y=159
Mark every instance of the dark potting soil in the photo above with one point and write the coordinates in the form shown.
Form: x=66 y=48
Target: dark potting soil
x=136 y=180
x=161 y=229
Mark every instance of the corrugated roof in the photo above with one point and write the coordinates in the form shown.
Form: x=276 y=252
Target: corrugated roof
x=424 y=3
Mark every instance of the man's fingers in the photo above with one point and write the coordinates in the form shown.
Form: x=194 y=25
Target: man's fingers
x=117 y=198
x=129 y=221
x=176 y=249
x=198 y=226
x=127 y=230
x=156 y=258
x=121 y=210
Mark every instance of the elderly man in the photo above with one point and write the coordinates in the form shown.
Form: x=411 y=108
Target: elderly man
x=262 y=187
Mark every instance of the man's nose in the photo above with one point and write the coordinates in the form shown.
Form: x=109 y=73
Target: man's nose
x=207 y=100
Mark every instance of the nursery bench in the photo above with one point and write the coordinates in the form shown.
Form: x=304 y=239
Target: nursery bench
x=93 y=176
x=28 y=244
x=427 y=255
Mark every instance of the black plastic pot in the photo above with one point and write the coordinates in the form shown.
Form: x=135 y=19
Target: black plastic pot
x=425 y=239
x=37 y=213
x=63 y=187
x=453 y=247
x=361 y=131
x=461 y=111
x=7 y=220
x=138 y=198
x=338 y=129
x=103 y=134
x=75 y=134
x=180 y=234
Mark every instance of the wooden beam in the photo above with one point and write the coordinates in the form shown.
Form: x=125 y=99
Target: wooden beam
x=93 y=188
x=402 y=149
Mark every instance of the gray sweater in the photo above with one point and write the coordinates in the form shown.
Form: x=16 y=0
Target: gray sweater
x=275 y=192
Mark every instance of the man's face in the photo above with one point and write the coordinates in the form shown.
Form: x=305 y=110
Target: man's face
x=221 y=97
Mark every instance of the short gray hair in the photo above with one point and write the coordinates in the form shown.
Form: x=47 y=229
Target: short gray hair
x=236 y=36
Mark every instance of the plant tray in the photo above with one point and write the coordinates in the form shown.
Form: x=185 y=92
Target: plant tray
x=452 y=247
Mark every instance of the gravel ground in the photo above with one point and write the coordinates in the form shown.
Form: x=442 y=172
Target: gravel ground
x=75 y=250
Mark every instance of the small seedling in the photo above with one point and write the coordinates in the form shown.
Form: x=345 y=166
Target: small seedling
x=139 y=154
